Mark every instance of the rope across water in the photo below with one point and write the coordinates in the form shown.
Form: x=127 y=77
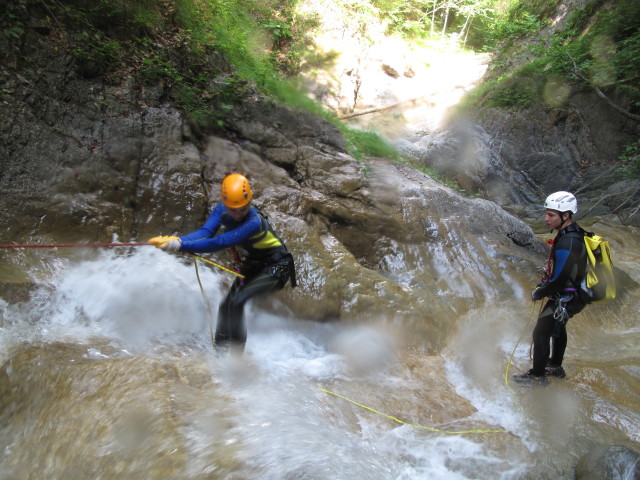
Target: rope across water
x=432 y=429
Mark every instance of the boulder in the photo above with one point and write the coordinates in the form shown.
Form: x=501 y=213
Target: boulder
x=609 y=462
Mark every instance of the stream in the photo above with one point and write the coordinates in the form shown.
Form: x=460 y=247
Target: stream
x=109 y=372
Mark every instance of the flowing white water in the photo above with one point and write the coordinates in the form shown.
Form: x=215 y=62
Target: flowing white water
x=276 y=422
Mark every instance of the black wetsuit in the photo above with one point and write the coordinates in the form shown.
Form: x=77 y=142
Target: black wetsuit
x=568 y=268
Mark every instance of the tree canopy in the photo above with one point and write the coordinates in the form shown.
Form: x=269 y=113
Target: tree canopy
x=268 y=43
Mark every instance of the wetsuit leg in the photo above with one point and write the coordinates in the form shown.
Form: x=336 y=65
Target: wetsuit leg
x=541 y=338
x=231 y=326
x=230 y=319
x=559 y=336
x=558 y=344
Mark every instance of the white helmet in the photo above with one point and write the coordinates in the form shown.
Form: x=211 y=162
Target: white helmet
x=562 y=202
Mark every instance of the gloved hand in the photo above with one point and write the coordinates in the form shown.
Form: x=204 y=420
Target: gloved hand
x=535 y=294
x=157 y=241
x=172 y=246
x=167 y=243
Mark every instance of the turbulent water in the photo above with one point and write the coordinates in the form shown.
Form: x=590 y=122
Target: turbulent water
x=108 y=372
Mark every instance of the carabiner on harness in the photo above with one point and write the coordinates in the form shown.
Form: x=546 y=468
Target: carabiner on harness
x=560 y=314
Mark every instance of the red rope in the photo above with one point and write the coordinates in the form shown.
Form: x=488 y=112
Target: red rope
x=79 y=245
x=547 y=270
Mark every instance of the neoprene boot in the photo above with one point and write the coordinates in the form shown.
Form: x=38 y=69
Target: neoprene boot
x=530 y=379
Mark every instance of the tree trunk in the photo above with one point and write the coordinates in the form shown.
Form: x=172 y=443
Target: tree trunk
x=464 y=42
x=433 y=16
x=466 y=22
x=446 y=18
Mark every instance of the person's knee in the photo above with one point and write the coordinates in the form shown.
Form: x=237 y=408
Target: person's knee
x=543 y=329
x=537 y=336
x=232 y=303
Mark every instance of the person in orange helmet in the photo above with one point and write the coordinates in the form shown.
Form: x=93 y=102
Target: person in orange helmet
x=266 y=264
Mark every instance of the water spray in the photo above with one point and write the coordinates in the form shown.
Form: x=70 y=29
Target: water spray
x=101 y=245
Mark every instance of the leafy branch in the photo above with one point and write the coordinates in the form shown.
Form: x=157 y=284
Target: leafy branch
x=601 y=94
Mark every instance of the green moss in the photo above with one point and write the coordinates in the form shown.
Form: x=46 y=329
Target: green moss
x=361 y=143
x=631 y=160
x=600 y=47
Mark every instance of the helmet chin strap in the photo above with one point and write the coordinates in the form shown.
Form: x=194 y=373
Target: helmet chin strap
x=566 y=222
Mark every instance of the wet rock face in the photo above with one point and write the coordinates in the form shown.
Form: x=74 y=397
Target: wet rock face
x=138 y=408
x=87 y=161
x=608 y=463
x=573 y=148
x=353 y=227
x=517 y=159
x=477 y=162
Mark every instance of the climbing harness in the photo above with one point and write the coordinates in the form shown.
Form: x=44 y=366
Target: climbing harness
x=560 y=313
x=432 y=429
x=525 y=328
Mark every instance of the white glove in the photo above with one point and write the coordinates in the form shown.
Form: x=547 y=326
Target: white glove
x=172 y=246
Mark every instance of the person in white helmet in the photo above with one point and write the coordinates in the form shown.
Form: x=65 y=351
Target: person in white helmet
x=566 y=270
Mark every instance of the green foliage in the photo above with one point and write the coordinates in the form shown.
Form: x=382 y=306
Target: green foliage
x=443 y=179
x=599 y=47
x=410 y=19
x=478 y=24
x=517 y=89
x=157 y=70
x=367 y=142
x=511 y=29
x=622 y=26
x=280 y=30
x=519 y=9
x=604 y=52
x=10 y=27
x=631 y=160
x=207 y=53
x=13 y=32
x=97 y=55
x=511 y=22
x=513 y=96
x=171 y=44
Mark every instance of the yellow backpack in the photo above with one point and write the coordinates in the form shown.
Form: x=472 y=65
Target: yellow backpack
x=600 y=281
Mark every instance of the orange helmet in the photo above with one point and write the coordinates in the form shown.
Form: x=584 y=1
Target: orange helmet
x=235 y=191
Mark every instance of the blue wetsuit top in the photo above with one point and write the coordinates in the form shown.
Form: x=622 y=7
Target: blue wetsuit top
x=205 y=239
x=569 y=262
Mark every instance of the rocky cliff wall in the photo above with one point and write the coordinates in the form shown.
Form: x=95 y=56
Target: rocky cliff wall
x=86 y=160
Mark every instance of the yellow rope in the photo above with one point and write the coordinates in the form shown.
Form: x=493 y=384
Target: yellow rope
x=206 y=302
x=406 y=423
x=204 y=296
x=506 y=372
x=206 y=260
